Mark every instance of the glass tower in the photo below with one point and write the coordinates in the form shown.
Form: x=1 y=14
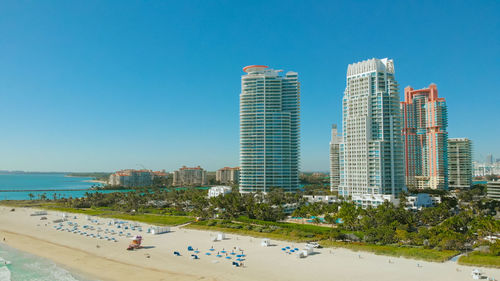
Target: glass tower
x=269 y=130
x=372 y=150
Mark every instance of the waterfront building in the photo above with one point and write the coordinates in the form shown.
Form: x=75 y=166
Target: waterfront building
x=373 y=200
x=493 y=190
x=134 y=178
x=425 y=137
x=215 y=191
x=459 y=163
x=269 y=130
x=335 y=159
x=191 y=176
x=328 y=199
x=421 y=200
x=372 y=159
x=228 y=175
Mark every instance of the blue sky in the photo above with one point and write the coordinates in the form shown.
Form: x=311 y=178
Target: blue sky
x=107 y=85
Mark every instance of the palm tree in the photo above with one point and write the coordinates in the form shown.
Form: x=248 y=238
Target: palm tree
x=31 y=196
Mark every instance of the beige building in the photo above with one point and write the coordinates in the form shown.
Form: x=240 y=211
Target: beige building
x=493 y=190
x=190 y=176
x=134 y=178
x=228 y=175
x=335 y=144
x=459 y=163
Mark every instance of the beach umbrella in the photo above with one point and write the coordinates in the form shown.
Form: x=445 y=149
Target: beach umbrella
x=284 y=249
x=208 y=254
x=228 y=257
x=219 y=256
x=240 y=259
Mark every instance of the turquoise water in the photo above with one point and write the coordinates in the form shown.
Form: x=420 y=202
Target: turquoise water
x=26 y=267
x=43 y=181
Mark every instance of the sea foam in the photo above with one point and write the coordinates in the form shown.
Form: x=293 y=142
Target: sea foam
x=5 y=274
x=20 y=266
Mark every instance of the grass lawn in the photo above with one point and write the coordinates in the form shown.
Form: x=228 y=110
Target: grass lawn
x=155 y=219
x=480 y=259
x=276 y=236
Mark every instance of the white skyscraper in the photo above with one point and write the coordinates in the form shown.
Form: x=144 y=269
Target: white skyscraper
x=269 y=130
x=372 y=160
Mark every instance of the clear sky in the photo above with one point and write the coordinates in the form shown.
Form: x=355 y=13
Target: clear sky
x=106 y=85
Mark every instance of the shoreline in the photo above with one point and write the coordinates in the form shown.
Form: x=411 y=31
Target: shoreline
x=97 y=181
x=110 y=261
x=97 y=268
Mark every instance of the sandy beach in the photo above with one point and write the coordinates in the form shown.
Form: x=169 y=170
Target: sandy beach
x=107 y=260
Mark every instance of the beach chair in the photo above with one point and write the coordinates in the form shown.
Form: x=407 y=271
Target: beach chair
x=177 y=254
x=190 y=248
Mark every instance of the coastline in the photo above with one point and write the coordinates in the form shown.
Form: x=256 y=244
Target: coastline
x=96 y=268
x=97 y=181
x=110 y=261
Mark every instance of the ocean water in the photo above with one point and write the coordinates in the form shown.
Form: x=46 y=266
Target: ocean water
x=22 y=266
x=43 y=181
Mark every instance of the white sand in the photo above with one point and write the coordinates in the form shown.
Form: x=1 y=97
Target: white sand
x=110 y=261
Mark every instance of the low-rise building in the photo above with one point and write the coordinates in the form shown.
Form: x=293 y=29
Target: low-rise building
x=421 y=200
x=493 y=190
x=228 y=175
x=190 y=176
x=215 y=191
x=373 y=200
x=329 y=199
x=134 y=178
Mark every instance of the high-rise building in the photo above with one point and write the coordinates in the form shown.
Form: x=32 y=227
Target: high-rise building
x=269 y=130
x=190 y=176
x=425 y=137
x=372 y=150
x=335 y=159
x=489 y=159
x=459 y=163
x=228 y=175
